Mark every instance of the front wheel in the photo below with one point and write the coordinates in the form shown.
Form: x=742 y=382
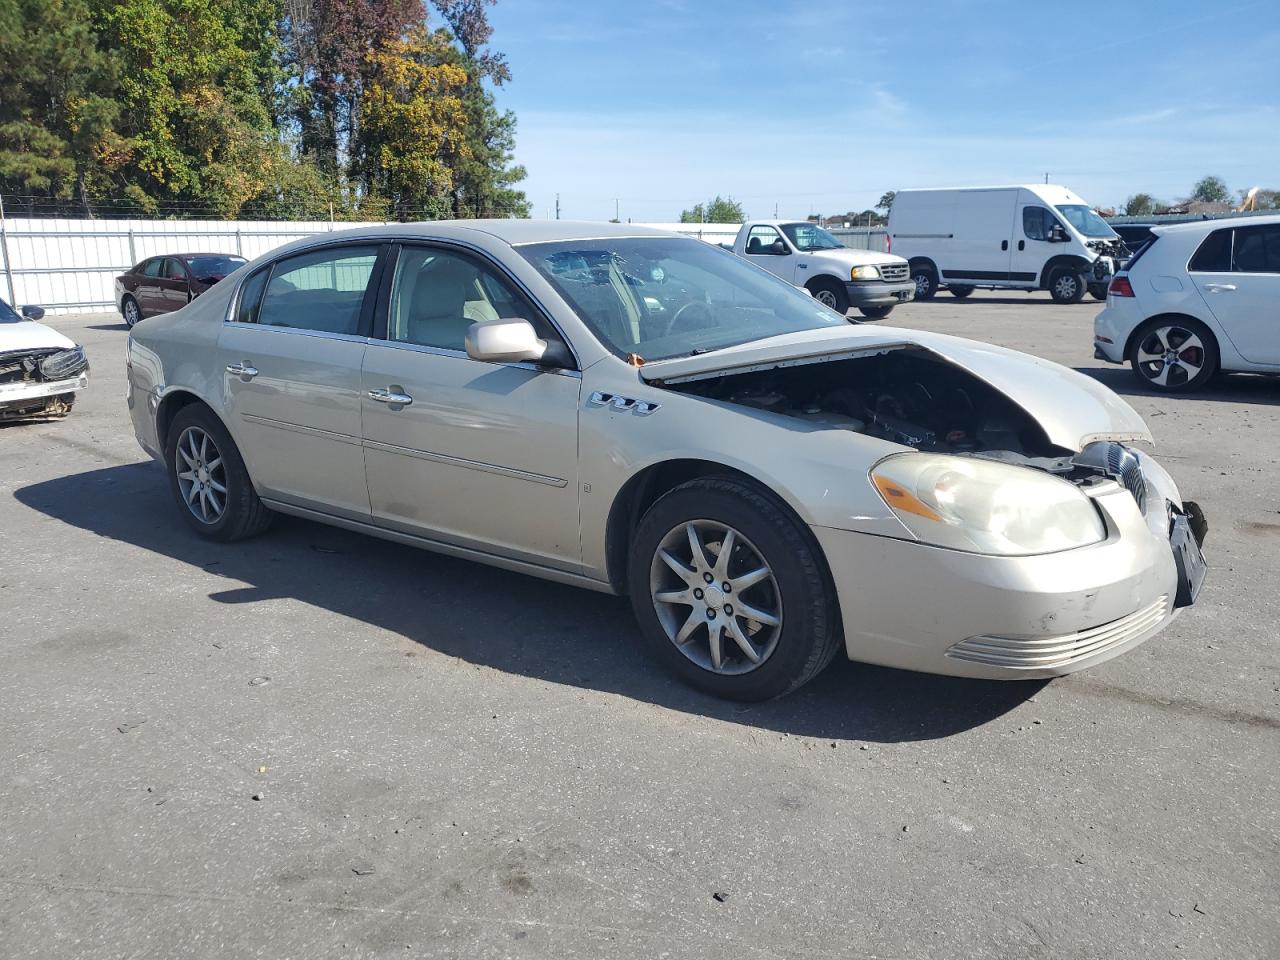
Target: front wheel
x=207 y=477
x=1066 y=286
x=830 y=294
x=1173 y=354
x=1098 y=291
x=731 y=591
x=876 y=313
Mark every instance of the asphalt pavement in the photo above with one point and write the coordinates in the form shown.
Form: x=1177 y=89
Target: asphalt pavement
x=317 y=744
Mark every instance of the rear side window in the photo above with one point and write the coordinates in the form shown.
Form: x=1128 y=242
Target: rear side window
x=1214 y=255
x=761 y=240
x=323 y=290
x=251 y=297
x=1257 y=249
x=173 y=270
x=152 y=268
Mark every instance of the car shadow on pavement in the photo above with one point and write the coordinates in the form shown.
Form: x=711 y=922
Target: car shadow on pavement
x=506 y=621
x=1226 y=388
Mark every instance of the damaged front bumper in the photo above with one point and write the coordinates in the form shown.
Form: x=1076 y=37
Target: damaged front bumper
x=919 y=607
x=32 y=382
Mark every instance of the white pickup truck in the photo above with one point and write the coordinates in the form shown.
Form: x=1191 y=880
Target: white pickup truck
x=806 y=255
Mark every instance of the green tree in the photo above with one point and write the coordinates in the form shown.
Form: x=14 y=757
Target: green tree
x=1141 y=205
x=886 y=200
x=193 y=98
x=57 y=114
x=719 y=210
x=1211 y=190
x=413 y=134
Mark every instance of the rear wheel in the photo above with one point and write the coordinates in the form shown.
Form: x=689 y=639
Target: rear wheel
x=960 y=292
x=831 y=294
x=876 y=313
x=129 y=308
x=1066 y=286
x=207 y=477
x=731 y=591
x=1173 y=354
x=926 y=279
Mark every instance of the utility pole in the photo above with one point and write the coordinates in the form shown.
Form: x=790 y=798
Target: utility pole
x=775 y=209
x=616 y=215
x=1046 y=178
x=557 y=206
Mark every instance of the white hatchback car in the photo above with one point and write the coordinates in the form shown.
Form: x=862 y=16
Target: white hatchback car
x=1196 y=299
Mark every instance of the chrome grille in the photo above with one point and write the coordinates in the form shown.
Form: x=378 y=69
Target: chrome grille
x=1038 y=653
x=894 y=272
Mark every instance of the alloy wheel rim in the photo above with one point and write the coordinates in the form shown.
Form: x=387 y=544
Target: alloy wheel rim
x=1066 y=286
x=1170 y=356
x=716 y=597
x=923 y=283
x=131 y=312
x=202 y=475
x=826 y=297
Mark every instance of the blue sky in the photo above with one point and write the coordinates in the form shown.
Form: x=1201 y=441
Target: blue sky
x=821 y=107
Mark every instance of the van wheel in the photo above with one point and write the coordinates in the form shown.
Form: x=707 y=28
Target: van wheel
x=1173 y=354
x=926 y=282
x=208 y=478
x=1066 y=286
x=960 y=292
x=830 y=294
x=731 y=591
x=1098 y=291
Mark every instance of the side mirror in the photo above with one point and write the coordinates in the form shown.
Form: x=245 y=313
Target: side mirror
x=778 y=248
x=504 y=341
x=1057 y=234
x=32 y=312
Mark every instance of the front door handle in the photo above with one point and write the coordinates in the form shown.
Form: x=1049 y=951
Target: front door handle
x=245 y=371
x=1022 y=244
x=1219 y=287
x=392 y=396
x=1004 y=244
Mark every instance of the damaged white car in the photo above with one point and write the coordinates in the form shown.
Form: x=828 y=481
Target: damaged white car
x=40 y=370
x=645 y=414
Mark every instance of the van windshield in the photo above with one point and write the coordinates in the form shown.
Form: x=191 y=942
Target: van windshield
x=1085 y=220
x=808 y=237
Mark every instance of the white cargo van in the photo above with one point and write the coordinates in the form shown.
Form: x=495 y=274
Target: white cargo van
x=1029 y=237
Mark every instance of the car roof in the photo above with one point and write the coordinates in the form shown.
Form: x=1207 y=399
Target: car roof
x=514 y=232
x=1191 y=226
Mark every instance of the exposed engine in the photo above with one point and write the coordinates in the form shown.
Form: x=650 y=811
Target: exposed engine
x=1113 y=247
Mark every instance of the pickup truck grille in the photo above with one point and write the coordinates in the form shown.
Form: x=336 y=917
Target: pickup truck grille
x=894 y=272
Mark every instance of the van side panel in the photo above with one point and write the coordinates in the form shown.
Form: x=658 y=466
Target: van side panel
x=983 y=227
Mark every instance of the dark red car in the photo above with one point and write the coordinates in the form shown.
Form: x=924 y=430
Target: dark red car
x=163 y=284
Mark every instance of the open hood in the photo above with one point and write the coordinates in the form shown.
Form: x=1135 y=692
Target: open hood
x=1072 y=409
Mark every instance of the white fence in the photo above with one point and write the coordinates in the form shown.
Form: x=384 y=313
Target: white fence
x=71 y=265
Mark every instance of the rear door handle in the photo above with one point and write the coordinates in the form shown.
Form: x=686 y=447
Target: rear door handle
x=1219 y=287
x=245 y=371
x=1004 y=244
x=391 y=396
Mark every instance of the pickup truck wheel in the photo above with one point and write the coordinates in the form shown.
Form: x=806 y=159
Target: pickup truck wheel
x=926 y=282
x=960 y=292
x=875 y=313
x=830 y=294
x=1066 y=286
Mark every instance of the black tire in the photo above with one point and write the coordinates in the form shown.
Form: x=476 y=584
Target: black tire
x=926 y=281
x=1098 y=291
x=809 y=635
x=831 y=294
x=959 y=292
x=1174 y=332
x=130 y=310
x=1066 y=285
x=876 y=313
x=243 y=514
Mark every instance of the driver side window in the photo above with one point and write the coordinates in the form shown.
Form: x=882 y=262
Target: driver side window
x=761 y=240
x=437 y=294
x=1037 y=222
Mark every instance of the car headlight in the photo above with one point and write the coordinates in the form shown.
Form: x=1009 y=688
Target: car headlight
x=986 y=507
x=864 y=273
x=64 y=364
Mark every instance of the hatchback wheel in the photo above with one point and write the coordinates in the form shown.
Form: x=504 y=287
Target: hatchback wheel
x=209 y=480
x=1173 y=354
x=129 y=307
x=731 y=591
